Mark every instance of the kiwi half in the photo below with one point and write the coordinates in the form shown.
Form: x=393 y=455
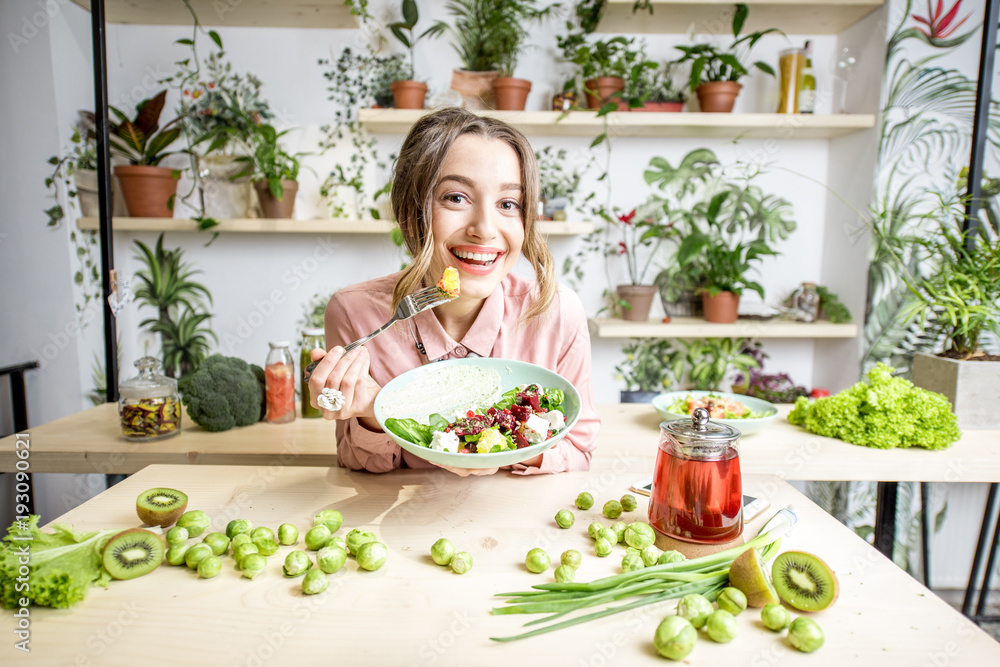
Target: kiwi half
x=748 y=574
x=160 y=507
x=804 y=581
x=132 y=553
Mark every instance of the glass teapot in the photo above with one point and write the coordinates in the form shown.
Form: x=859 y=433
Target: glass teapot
x=697 y=493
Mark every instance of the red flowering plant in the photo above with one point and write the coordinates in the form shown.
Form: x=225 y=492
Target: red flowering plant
x=640 y=233
x=938 y=27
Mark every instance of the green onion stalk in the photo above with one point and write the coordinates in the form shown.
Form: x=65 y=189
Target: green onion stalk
x=707 y=575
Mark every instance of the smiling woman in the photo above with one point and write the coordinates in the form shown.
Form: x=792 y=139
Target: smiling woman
x=464 y=193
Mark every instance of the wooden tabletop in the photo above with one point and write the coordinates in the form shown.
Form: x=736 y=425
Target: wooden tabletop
x=413 y=612
x=90 y=442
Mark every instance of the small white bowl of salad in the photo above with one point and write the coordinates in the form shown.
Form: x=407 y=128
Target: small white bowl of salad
x=745 y=413
x=477 y=412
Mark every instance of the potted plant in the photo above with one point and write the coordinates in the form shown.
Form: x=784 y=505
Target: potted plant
x=959 y=303
x=219 y=108
x=275 y=172
x=724 y=225
x=651 y=366
x=149 y=189
x=651 y=87
x=558 y=182
x=386 y=73
x=715 y=73
x=484 y=31
x=641 y=236
x=603 y=66
x=408 y=93
x=710 y=361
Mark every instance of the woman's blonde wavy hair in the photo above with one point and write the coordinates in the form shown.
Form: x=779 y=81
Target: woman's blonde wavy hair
x=417 y=171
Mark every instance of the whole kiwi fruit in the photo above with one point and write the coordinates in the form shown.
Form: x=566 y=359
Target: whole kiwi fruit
x=804 y=581
x=132 y=553
x=160 y=506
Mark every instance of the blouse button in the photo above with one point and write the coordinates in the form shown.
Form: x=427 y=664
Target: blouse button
x=460 y=351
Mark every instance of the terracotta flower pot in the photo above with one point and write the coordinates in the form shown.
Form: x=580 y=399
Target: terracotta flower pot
x=511 y=94
x=640 y=297
x=605 y=86
x=476 y=88
x=721 y=308
x=409 y=94
x=718 y=96
x=148 y=191
x=277 y=208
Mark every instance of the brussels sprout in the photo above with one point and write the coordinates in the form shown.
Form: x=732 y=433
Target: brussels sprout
x=721 y=626
x=195 y=554
x=218 y=542
x=337 y=541
x=356 y=538
x=584 y=501
x=314 y=582
x=602 y=547
x=565 y=573
x=619 y=528
x=175 y=554
x=443 y=551
x=332 y=519
x=612 y=509
x=775 y=617
x=594 y=530
x=176 y=535
x=695 y=608
x=670 y=557
x=261 y=531
x=537 y=561
x=675 y=638
x=296 y=563
x=241 y=538
x=243 y=551
x=571 y=557
x=628 y=503
x=195 y=522
x=634 y=551
x=266 y=546
x=209 y=567
x=287 y=534
x=732 y=600
x=639 y=535
x=331 y=559
x=461 y=563
x=805 y=634
x=650 y=555
x=317 y=537
x=632 y=562
x=238 y=526
x=252 y=565
x=371 y=555
x=565 y=518
x=608 y=534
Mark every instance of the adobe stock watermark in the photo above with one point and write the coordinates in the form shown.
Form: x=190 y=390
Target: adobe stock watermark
x=61 y=338
x=20 y=544
x=38 y=21
x=436 y=647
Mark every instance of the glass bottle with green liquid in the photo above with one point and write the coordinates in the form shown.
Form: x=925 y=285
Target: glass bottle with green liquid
x=312 y=338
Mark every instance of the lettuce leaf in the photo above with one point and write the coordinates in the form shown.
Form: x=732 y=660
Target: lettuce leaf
x=62 y=564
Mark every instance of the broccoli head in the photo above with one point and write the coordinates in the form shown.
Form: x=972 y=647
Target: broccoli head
x=224 y=392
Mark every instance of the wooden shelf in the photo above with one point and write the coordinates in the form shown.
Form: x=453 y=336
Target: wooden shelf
x=273 y=226
x=795 y=17
x=653 y=124
x=243 y=13
x=692 y=327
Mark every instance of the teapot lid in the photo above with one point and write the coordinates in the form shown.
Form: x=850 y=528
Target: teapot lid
x=700 y=428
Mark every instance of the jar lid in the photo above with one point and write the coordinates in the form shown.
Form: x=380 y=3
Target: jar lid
x=148 y=383
x=314 y=331
x=278 y=343
x=699 y=428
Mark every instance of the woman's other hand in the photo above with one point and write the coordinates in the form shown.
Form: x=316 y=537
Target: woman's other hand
x=348 y=373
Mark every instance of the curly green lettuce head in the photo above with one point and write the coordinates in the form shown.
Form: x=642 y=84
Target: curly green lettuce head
x=884 y=412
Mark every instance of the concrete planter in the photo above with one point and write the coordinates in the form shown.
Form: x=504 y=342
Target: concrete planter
x=973 y=387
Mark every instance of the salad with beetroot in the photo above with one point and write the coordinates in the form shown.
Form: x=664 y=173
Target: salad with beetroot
x=522 y=417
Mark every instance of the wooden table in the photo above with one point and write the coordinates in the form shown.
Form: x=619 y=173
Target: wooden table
x=90 y=442
x=412 y=612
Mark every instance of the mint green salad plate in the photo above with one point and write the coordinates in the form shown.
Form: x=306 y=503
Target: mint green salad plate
x=512 y=374
x=747 y=426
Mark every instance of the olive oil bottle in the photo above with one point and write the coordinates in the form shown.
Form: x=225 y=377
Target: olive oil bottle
x=807 y=93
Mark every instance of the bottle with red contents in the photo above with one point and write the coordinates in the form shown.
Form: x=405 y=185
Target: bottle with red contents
x=279 y=383
x=697 y=493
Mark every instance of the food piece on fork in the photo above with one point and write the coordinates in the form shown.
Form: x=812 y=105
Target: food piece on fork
x=448 y=285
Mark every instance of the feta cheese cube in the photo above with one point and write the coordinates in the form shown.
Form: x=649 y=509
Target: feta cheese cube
x=535 y=429
x=556 y=419
x=444 y=441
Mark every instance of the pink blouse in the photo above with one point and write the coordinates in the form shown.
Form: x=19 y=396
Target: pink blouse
x=558 y=340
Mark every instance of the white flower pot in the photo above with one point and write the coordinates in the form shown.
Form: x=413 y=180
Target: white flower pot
x=972 y=387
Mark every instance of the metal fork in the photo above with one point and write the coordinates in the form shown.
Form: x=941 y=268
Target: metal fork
x=418 y=302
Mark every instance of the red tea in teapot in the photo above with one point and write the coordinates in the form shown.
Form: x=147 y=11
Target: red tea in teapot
x=700 y=501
